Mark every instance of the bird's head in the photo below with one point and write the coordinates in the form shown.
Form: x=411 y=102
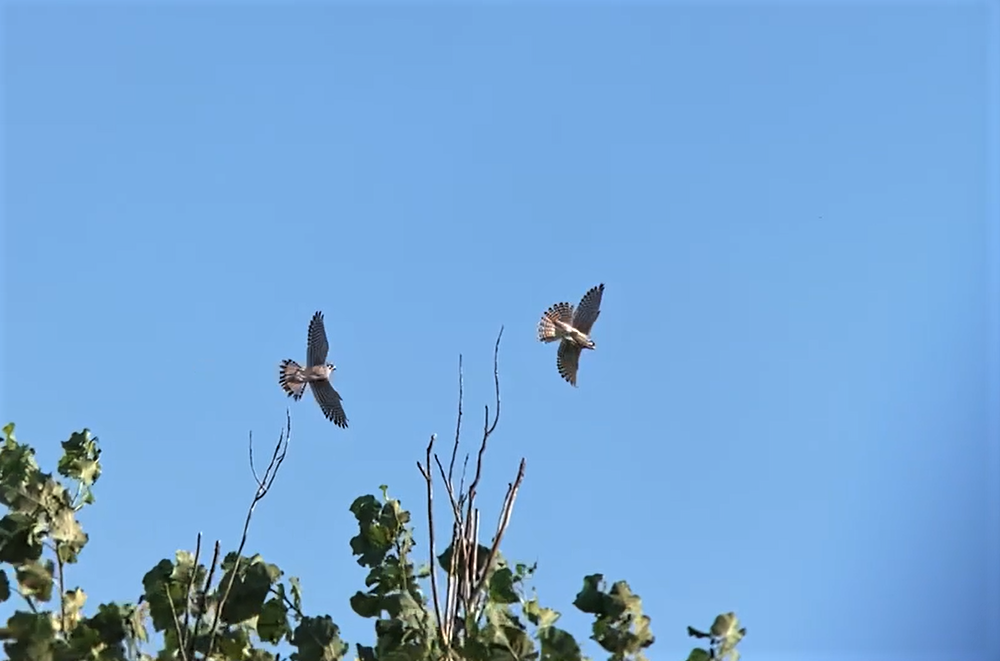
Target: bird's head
x=331 y=368
x=590 y=344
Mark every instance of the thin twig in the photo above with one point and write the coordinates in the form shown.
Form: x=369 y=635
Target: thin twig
x=455 y=506
x=458 y=425
x=192 y=639
x=62 y=592
x=187 y=592
x=429 y=477
x=181 y=643
x=263 y=487
x=487 y=428
x=505 y=514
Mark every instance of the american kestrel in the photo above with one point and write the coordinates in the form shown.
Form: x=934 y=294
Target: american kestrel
x=572 y=329
x=317 y=373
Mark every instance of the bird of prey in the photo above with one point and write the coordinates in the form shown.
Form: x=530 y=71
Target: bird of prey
x=317 y=373
x=571 y=328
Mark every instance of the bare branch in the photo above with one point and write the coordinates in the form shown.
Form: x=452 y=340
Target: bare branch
x=455 y=506
x=505 y=513
x=263 y=487
x=62 y=590
x=458 y=425
x=201 y=605
x=487 y=428
x=181 y=643
x=187 y=596
x=496 y=380
x=429 y=477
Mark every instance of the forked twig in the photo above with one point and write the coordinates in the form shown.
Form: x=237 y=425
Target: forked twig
x=468 y=569
x=505 y=514
x=263 y=487
x=487 y=428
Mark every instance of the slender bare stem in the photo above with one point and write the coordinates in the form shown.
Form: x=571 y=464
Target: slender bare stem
x=429 y=477
x=202 y=597
x=187 y=593
x=263 y=487
x=458 y=425
x=181 y=642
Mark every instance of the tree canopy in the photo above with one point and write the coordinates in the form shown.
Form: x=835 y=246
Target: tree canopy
x=466 y=602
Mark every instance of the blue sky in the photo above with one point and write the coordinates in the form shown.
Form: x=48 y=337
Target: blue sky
x=793 y=409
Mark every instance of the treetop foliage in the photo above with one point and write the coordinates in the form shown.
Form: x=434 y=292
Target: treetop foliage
x=466 y=602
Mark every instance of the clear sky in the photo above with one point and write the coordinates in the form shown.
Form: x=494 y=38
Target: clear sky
x=792 y=411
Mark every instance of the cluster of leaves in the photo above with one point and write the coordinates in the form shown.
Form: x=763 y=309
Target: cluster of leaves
x=253 y=608
x=511 y=627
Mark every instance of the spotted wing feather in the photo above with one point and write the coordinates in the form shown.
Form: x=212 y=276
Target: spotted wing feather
x=589 y=310
x=330 y=403
x=568 y=360
x=317 y=347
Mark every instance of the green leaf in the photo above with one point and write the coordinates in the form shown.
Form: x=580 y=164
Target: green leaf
x=35 y=579
x=159 y=591
x=558 y=645
x=502 y=587
x=296 y=585
x=591 y=599
x=253 y=581
x=724 y=625
x=20 y=539
x=272 y=624
x=66 y=531
x=318 y=639
x=233 y=643
x=538 y=615
x=81 y=462
x=32 y=635
x=72 y=606
x=366 y=605
x=4 y=586
x=109 y=623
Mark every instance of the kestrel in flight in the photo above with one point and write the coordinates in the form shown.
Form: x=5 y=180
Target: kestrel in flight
x=571 y=328
x=317 y=373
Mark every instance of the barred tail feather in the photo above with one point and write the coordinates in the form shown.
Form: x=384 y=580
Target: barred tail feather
x=548 y=330
x=286 y=378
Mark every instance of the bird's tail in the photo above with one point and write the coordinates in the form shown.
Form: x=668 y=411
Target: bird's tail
x=287 y=372
x=548 y=330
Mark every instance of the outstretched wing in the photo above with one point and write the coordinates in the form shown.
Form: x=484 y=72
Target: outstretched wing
x=568 y=360
x=317 y=346
x=589 y=309
x=329 y=401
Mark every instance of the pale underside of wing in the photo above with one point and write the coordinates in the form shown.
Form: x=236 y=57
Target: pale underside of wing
x=589 y=309
x=568 y=360
x=330 y=403
x=317 y=346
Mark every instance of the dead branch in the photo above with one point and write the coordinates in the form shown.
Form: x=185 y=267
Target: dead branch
x=182 y=643
x=469 y=566
x=505 y=514
x=487 y=428
x=429 y=477
x=263 y=487
x=201 y=605
x=458 y=425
